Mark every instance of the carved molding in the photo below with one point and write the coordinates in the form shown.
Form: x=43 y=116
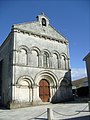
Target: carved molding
x=40 y=36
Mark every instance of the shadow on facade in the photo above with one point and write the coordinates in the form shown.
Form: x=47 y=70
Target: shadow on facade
x=64 y=90
x=2 y=107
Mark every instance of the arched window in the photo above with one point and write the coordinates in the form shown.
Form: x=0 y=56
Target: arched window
x=24 y=91
x=34 y=58
x=63 y=62
x=43 y=22
x=45 y=59
x=23 y=57
x=54 y=61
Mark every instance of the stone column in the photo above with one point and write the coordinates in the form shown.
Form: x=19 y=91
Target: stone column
x=53 y=94
x=40 y=59
x=30 y=94
x=59 y=62
x=29 y=58
x=50 y=62
x=35 y=95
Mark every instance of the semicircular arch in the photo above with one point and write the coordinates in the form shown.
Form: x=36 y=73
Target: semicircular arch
x=47 y=51
x=23 y=47
x=48 y=75
x=34 y=48
x=25 y=78
x=56 y=53
x=63 y=54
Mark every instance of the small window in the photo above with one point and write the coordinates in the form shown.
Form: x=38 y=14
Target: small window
x=46 y=60
x=43 y=22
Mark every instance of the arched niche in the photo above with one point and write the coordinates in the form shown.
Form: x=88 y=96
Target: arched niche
x=34 y=56
x=24 y=89
x=51 y=79
x=55 y=59
x=64 y=61
x=46 y=58
x=22 y=56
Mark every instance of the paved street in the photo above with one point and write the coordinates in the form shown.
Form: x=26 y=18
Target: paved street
x=73 y=111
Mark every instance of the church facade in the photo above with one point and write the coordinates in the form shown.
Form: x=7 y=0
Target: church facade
x=34 y=65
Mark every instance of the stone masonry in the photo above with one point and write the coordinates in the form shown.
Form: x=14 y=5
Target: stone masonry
x=34 y=65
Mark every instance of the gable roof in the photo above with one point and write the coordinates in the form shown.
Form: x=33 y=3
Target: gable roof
x=87 y=56
x=80 y=82
x=36 y=27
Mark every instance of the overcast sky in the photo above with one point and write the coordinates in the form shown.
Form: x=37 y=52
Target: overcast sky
x=70 y=17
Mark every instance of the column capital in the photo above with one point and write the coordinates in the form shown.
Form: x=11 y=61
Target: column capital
x=34 y=86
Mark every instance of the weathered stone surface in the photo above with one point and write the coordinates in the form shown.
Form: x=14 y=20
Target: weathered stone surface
x=31 y=53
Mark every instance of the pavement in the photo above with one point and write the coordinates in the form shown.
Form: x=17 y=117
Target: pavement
x=65 y=111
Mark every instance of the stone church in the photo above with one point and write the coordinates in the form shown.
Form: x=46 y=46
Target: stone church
x=34 y=65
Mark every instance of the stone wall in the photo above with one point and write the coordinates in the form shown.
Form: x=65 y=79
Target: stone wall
x=31 y=53
x=6 y=74
x=38 y=58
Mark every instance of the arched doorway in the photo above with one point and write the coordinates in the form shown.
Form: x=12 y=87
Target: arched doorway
x=24 y=89
x=44 y=90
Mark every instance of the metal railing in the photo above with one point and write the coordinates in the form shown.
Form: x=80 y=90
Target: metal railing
x=50 y=112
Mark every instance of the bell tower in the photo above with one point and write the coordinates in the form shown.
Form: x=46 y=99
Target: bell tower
x=44 y=21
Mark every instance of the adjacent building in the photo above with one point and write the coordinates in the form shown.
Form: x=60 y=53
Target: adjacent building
x=87 y=60
x=34 y=65
x=80 y=87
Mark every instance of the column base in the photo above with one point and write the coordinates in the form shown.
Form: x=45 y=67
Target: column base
x=14 y=105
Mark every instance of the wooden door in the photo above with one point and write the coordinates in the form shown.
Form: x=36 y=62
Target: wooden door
x=44 y=90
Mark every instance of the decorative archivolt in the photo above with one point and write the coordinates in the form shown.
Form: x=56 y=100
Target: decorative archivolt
x=49 y=75
x=56 y=53
x=43 y=58
x=25 y=81
x=23 y=55
x=55 y=59
x=34 y=56
x=64 y=55
x=34 y=48
x=46 y=51
x=64 y=61
x=24 y=48
x=46 y=58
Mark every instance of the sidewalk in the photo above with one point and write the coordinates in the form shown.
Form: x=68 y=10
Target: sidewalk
x=70 y=111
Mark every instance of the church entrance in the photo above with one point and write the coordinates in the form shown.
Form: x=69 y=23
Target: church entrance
x=44 y=90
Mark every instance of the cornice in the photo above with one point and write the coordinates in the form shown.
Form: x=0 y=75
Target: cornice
x=40 y=35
